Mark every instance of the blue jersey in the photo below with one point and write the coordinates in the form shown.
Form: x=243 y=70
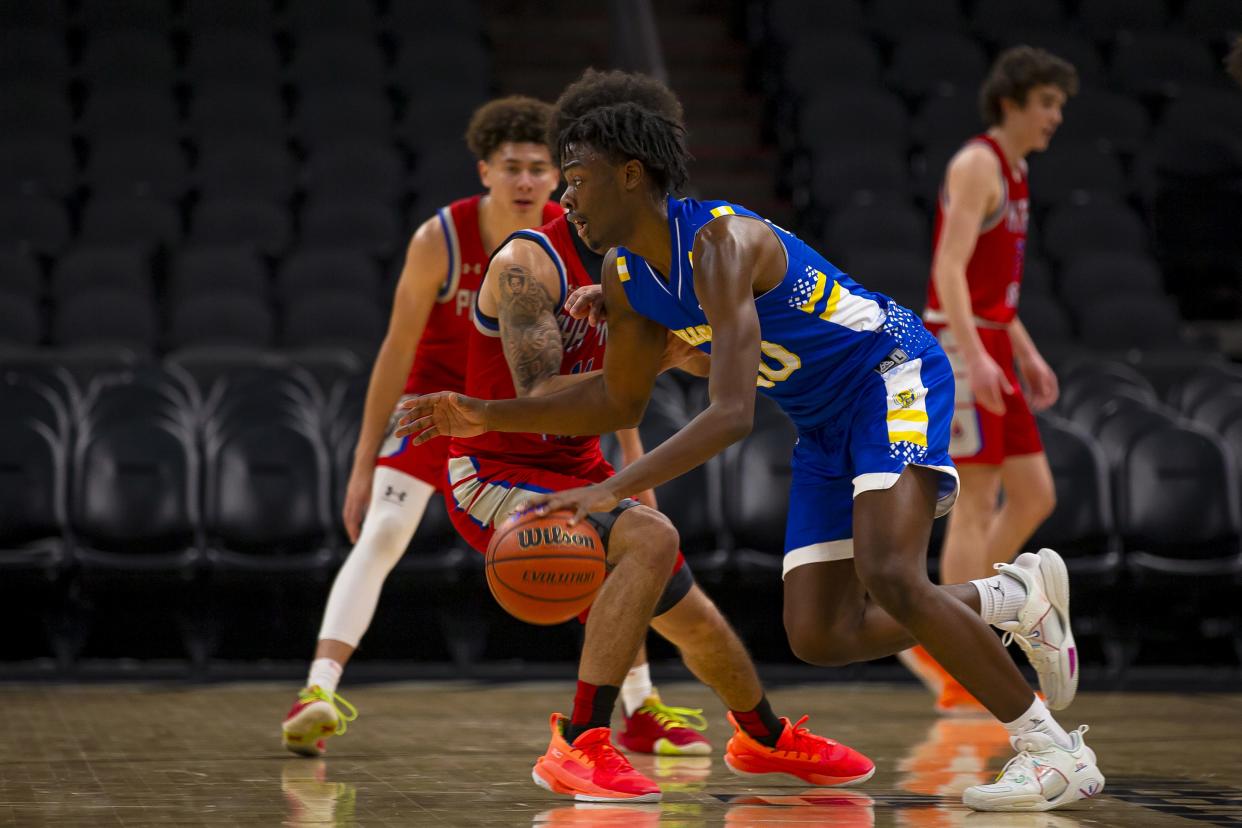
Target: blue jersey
x=823 y=333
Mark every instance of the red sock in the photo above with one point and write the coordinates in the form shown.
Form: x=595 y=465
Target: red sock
x=761 y=724
x=593 y=704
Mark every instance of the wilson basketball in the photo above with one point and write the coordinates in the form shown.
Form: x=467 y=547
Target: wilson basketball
x=542 y=570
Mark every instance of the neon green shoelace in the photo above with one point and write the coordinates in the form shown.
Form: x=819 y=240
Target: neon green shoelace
x=345 y=712
x=687 y=717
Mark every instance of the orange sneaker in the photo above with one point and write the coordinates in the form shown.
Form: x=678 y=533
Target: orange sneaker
x=591 y=769
x=798 y=753
x=925 y=668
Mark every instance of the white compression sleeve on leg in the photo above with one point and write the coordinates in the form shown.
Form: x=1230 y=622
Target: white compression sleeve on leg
x=397 y=504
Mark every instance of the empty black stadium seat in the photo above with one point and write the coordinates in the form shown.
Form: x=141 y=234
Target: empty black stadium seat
x=230 y=15
x=1090 y=275
x=1119 y=421
x=124 y=112
x=221 y=318
x=842 y=56
x=947 y=120
x=889 y=18
x=343 y=319
x=1106 y=120
x=1036 y=277
x=840 y=113
x=41 y=165
x=1046 y=320
x=144 y=15
x=123 y=269
x=332 y=57
x=357 y=169
x=21 y=321
x=318 y=269
x=330 y=16
x=35 y=224
x=19 y=274
x=901 y=274
x=44 y=14
x=789 y=20
x=128 y=56
x=1161 y=64
x=939 y=63
x=1067 y=43
x=1075 y=172
x=38 y=109
x=365 y=225
x=1199 y=381
x=237 y=221
x=33 y=54
x=113 y=220
x=847 y=176
x=251 y=168
x=144 y=167
x=1216 y=411
x=211 y=268
x=1104 y=19
x=1211 y=18
x=1074 y=231
x=426 y=57
x=1130 y=321
x=233 y=56
x=236 y=111
x=1099 y=384
x=1000 y=19
x=342 y=113
x=107 y=317
x=898 y=227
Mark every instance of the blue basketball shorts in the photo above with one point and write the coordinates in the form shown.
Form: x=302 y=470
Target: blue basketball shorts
x=900 y=417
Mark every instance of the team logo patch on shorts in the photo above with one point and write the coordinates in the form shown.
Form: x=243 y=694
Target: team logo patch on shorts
x=905 y=399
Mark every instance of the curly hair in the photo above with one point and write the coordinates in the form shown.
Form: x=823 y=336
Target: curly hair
x=1233 y=61
x=625 y=115
x=517 y=119
x=1016 y=72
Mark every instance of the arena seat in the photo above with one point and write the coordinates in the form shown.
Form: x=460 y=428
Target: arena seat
x=342 y=113
x=130 y=220
x=104 y=316
x=252 y=168
x=36 y=224
x=318 y=269
x=1074 y=230
x=211 y=268
x=936 y=63
x=123 y=269
x=21 y=321
x=1087 y=276
x=37 y=165
x=357 y=169
x=235 y=221
x=366 y=225
x=19 y=274
x=221 y=317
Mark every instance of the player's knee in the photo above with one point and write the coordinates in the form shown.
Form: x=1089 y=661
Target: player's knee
x=816 y=643
x=645 y=533
x=896 y=582
x=384 y=538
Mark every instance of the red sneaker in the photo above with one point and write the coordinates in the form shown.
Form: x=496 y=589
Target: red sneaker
x=798 y=753
x=313 y=718
x=669 y=731
x=591 y=769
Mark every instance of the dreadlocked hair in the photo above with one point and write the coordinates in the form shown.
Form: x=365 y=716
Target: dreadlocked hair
x=624 y=131
x=625 y=115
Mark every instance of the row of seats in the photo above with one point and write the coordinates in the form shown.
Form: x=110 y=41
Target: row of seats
x=1101 y=20
x=203 y=483
x=265 y=16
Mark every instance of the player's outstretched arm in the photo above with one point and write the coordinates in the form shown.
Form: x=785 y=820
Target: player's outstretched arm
x=733 y=257
x=608 y=401
x=426 y=262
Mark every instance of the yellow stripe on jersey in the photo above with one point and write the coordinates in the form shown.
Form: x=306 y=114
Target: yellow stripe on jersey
x=723 y=210
x=818 y=293
x=834 y=299
x=623 y=271
x=908 y=415
x=918 y=438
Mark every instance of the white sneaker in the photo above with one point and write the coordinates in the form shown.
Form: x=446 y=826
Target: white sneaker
x=1042 y=628
x=1041 y=777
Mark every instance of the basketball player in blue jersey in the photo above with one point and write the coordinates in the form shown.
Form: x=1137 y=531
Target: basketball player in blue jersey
x=870 y=391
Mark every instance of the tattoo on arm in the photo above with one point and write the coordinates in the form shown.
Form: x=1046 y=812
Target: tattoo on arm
x=528 y=329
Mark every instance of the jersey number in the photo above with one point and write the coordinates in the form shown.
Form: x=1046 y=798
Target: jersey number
x=785 y=364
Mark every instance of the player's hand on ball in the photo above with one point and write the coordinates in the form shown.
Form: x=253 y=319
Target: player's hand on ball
x=587 y=302
x=581 y=502
x=442 y=414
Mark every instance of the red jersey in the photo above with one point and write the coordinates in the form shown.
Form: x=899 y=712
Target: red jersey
x=488 y=376
x=438 y=365
x=994 y=273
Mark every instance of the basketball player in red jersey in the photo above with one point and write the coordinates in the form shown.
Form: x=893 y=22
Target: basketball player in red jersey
x=392 y=479
x=527 y=344
x=972 y=307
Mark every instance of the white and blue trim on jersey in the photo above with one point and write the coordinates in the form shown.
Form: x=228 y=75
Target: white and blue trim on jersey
x=448 y=288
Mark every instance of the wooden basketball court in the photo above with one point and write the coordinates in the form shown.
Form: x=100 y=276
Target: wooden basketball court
x=460 y=754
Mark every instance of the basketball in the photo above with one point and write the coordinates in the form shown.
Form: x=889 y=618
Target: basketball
x=542 y=570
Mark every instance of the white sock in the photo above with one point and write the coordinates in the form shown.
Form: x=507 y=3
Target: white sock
x=326 y=673
x=636 y=688
x=1000 y=598
x=397 y=504
x=1037 y=719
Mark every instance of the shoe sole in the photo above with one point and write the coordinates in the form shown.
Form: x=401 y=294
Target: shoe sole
x=1027 y=803
x=837 y=783
x=312 y=724
x=554 y=785
x=1056 y=584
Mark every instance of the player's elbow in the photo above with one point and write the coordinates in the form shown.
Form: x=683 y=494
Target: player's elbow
x=629 y=414
x=735 y=422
